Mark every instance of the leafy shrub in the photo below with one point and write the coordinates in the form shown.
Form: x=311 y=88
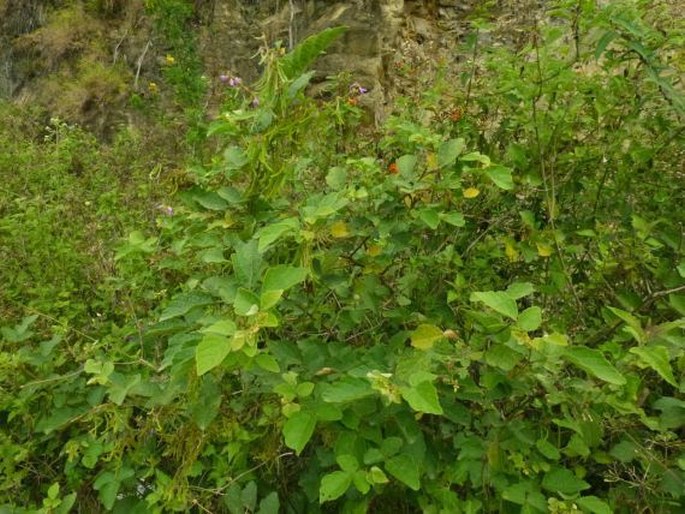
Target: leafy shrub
x=484 y=313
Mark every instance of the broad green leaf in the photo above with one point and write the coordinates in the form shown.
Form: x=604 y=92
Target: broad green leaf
x=346 y=389
x=267 y=362
x=501 y=176
x=518 y=290
x=334 y=485
x=270 y=504
x=624 y=451
x=347 y=463
x=594 y=505
x=235 y=158
x=476 y=157
x=336 y=178
x=211 y=352
x=213 y=255
x=593 y=362
x=210 y=200
x=425 y=336
x=247 y=262
x=564 y=481
x=299 y=83
x=183 y=303
x=422 y=398
x=377 y=476
x=627 y=317
x=450 y=150
x=456 y=219
x=246 y=303
x=322 y=206
x=282 y=277
x=406 y=164
x=121 y=386
x=430 y=217
x=548 y=449
x=657 y=358
x=272 y=233
x=270 y=298
x=224 y=327
x=498 y=301
x=361 y=482
x=404 y=468
x=298 y=430
x=530 y=319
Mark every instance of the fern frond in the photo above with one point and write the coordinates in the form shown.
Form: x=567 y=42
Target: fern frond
x=300 y=58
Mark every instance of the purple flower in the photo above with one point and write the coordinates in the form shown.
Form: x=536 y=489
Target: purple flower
x=235 y=81
x=358 y=89
x=223 y=78
x=166 y=209
x=255 y=102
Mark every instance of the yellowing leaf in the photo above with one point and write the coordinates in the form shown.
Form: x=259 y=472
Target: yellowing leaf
x=510 y=251
x=471 y=192
x=544 y=250
x=374 y=250
x=432 y=161
x=339 y=230
x=425 y=336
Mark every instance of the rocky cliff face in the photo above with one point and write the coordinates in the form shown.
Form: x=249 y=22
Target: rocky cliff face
x=84 y=59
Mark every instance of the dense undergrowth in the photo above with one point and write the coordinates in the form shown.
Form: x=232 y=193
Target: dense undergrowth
x=478 y=307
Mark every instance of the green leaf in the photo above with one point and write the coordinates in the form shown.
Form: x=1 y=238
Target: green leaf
x=235 y=158
x=593 y=362
x=430 y=217
x=657 y=358
x=547 y=449
x=282 y=277
x=211 y=352
x=450 y=150
x=530 y=319
x=347 y=463
x=404 y=468
x=336 y=178
x=425 y=336
x=298 y=430
x=299 y=83
x=518 y=290
x=270 y=504
x=272 y=233
x=564 y=481
x=422 y=398
x=183 y=303
x=346 y=389
x=334 y=485
x=209 y=200
x=456 y=219
x=594 y=505
x=498 y=301
x=267 y=362
x=406 y=165
x=121 y=385
x=377 y=476
x=224 y=327
x=246 y=303
x=501 y=176
x=247 y=262
x=298 y=60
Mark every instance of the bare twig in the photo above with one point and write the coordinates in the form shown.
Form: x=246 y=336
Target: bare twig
x=140 y=64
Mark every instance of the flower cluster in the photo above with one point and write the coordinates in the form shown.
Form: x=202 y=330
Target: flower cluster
x=356 y=89
x=230 y=80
